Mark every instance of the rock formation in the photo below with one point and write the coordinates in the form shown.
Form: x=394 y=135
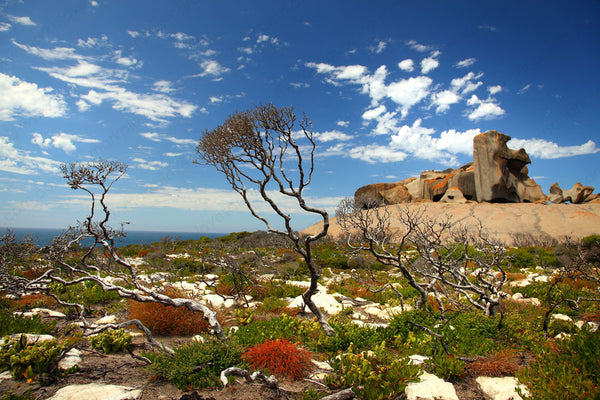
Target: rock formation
x=496 y=175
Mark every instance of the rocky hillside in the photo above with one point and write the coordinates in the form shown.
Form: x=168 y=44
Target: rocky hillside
x=505 y=221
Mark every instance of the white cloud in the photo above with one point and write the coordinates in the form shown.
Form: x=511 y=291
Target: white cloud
x=162 y=86
x=429 y=64
x=524 y=89
x=5 y=26
x=465 y=63
x=157 y=137
x=149 y=165
x=549 y=150
x=375 y=153
x=63 y=141
x=379 y=47
x=93 y=42
x=465 y=84
x=483 y=109
x=262 y=38
x=172 y=154
x=133 y=34
x=328 y=136
x=212 y=68
x=407 y=65
x=418 y=47
x=409 y=92
x=21 y=162
x=494 y=89
x=57 y=53
x=443 y=100
x=343 y=124
x=21 y=20
x=374 y=112
x=20 y=98
x=93 y=3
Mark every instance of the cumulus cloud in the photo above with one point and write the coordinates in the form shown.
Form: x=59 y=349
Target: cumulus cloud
x=549 y=150
x=162 y=86
x=466 y=84
x=329 y=136
x=408 y=92
x=63 y=141
x=149 y=165
x=494 y=89
x=379 y=47
x=443 y=100
x=343 y=123
x=375 y=153
x=483 y=109
x=20 y=98
x=21 y=20
x=418 y=47
x=465 y=63
x=407 y=65
x=429 y=64
x=133 y=34
x=22 y=162
x=212 y=68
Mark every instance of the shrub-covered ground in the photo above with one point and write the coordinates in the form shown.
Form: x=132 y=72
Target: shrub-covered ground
x=544 y=333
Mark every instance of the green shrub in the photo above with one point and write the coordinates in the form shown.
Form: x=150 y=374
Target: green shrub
x=447 y=367
x=568 y=369
x=111 y=341
x=349 y=334
x=10 y=324
x=87 y=293
x=31 y=361
x=377 y=374
x=279 y=327
x=197 y=365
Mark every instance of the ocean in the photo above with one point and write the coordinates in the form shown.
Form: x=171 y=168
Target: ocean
x=43 y=237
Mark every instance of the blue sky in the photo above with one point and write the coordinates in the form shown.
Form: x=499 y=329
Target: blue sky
x=392 y=88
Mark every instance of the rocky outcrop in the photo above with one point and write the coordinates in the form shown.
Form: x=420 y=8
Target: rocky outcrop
x=501 y=174
x=496 y=175
x=576 y=195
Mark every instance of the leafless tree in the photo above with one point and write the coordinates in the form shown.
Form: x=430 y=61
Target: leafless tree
x=259 y=153
x=100 y=262
x=458 y=266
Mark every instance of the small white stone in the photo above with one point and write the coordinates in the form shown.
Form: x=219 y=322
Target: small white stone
x=417 y=359
x=561 y=317
x=72 y=358
x=109 y=319
x=5 y=376
x=97 y=391
x=501 y=388
x=430 y=387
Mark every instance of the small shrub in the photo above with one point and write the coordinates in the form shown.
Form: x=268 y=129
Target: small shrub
x=500 y=363
x=447 y=367
x=197 y=365
x=35 y=300
x=168 y=320
x=283 y=326
x=568 y=369
x=377 y=374
x=280 y=358
x=31 y=361
x=10 y=324
x=273 y=304
x=111 y=341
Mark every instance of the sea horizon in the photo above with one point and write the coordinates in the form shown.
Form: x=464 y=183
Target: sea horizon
x=43 y=236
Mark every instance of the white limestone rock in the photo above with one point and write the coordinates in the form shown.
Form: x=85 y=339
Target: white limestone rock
x=109 y=319
x=430 y=387
x=97 y=391
x=500 y=388
x=5 y=376
x=71 y=359
x=592 y=326
x=561 y=317
x=41 y=312
x=417 y=359
x=326 y=302
x=217 y=301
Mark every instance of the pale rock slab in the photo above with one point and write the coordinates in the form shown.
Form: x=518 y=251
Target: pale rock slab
x=430 y=388
x=326 y=302
x=71 y=359
x=109 y=319
x=42 y=312
x=96 y=391
x=500 y=388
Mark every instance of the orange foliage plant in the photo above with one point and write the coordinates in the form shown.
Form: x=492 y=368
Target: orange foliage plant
x=280 y=358
x=168 y=320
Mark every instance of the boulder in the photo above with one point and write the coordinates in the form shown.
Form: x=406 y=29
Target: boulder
x=500 y=388
x=97 y=391
x=396 y=195
x=430 y=387
x=453 y=195
x=369 y=196
x=578 y=193
x=500 y=173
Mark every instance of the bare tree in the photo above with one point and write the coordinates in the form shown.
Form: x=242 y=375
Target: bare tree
x=258 y=152
x=100 y=262
x=455 y=265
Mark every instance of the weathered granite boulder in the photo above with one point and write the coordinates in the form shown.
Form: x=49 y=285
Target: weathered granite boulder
x=434 y=184
x=377 y=194
x=501 y=174
x=576 y=195
x=453 y=195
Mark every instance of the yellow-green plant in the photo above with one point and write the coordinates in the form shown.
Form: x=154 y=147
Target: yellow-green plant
x=373 y=375
x=111 y=341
